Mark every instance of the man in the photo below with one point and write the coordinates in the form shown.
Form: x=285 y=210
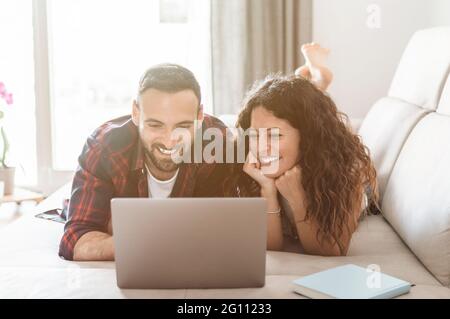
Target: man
x=132 y=156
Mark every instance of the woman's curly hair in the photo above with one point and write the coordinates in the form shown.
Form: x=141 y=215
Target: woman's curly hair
x=336 y=166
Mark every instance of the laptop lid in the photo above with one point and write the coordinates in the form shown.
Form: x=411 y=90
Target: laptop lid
x=189 y=242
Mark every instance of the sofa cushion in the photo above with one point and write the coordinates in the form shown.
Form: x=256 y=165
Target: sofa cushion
x=28 y=258
x=374 y=242
x=444 y=103
x=101 y=283
x=417 y=198
x=384 y=130
x=422 y=71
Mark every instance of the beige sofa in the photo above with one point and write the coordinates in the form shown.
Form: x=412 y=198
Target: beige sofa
x=408 y=132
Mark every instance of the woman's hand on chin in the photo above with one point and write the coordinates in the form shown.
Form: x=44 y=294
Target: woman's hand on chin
x=290 y=186
x=253 y=168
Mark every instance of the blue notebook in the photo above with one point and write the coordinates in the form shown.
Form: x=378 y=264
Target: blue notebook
x=350 y=282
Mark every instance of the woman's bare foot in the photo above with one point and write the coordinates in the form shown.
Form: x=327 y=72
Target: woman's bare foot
x=314 y=69
x=314 y=54
x=303 y=71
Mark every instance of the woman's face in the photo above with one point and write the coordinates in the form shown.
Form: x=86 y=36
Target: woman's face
x=279 y=150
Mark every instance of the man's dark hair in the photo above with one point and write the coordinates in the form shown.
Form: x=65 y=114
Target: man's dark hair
x=170 y=78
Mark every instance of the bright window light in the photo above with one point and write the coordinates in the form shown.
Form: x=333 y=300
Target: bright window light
x=100 y=48
x=17 y=73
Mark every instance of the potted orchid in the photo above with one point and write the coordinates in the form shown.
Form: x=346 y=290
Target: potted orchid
x=6 y=173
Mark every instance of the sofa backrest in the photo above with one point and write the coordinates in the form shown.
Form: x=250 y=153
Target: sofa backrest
x=423 y=68
x=384 y=131
x=408 y=134
x=415 y=91
x=444 y=103
x=417 y=197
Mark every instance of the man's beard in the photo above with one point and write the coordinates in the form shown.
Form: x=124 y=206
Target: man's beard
x=164 y=164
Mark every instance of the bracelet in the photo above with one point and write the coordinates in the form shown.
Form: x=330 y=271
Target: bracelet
x=277 y=212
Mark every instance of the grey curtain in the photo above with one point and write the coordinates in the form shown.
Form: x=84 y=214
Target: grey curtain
x=249 y=40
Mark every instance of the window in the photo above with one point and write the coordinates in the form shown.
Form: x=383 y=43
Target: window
x=99 y=49
x=74 y=64
x=17 y=72
x=173 y=11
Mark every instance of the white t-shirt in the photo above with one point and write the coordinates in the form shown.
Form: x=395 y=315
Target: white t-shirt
x=160 y=189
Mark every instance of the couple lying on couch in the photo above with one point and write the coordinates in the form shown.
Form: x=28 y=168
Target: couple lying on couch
x=317 y=182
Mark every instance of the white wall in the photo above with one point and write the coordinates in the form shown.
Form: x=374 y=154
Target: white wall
x=364 y=57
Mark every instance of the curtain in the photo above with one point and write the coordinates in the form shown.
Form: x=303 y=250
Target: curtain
x=251 y=39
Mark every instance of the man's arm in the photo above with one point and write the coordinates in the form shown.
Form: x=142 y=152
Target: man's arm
x=86 y=234
x=94 y=246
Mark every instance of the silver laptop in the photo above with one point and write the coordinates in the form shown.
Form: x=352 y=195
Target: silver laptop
x=189 y=242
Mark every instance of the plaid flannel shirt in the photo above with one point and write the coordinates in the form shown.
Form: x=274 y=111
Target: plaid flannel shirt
x=112 y=165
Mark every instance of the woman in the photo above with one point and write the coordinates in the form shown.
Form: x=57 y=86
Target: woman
x=316 y=180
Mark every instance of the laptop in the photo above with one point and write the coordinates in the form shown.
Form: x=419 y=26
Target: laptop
x=181 y=243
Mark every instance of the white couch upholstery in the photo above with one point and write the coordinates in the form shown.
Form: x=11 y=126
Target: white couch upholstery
x=423 y=68
x=417 y=198
x=408 y=133
x=444 y=103
x=415 y=91
x=384 y=131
